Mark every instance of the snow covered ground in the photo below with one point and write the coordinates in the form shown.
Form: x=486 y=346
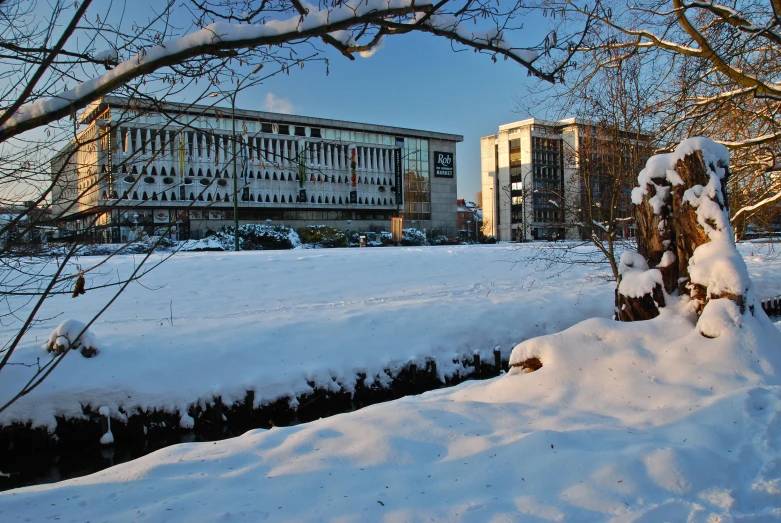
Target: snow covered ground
x=208 y=324
x=625 y=422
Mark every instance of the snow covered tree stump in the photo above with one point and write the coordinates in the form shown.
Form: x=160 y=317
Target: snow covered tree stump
x=685 y=241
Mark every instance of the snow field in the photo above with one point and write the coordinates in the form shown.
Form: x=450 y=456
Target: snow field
x=218 y=324
x=640 y=422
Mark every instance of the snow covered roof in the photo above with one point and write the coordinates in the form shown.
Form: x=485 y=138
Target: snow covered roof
x=92 y=112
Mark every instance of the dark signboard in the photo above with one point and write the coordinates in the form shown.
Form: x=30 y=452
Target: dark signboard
x=443 y=164
x=398 y=186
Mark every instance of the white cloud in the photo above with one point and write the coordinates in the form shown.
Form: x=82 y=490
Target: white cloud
x=276 y=104
x=373 y=50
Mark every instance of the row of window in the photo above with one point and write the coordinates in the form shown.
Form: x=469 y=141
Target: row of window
x=250 y=197
x=145 y=217
x=322 y=178
x=220 y=147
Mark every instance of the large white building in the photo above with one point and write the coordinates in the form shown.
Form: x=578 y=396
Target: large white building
x=533 y=182
x=523 y=170
x=138 y=165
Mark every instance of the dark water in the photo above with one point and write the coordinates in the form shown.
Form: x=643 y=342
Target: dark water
x=52 y=466
x=38 y=467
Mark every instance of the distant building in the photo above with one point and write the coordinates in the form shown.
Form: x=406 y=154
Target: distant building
x=469 y=220
x=140 y=167
x=25 y=223
x=532 y=183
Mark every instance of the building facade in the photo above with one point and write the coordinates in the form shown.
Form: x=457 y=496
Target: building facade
x=470 y=221
x=539 y=177
x=173 y=166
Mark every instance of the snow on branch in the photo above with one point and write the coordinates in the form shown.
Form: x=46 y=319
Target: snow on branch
x=219 y=36
x=333 y=25
x=776 y=197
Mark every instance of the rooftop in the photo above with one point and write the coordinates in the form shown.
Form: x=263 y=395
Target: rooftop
x=93 y=110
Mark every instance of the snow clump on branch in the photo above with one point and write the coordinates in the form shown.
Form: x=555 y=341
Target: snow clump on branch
x=72 y=334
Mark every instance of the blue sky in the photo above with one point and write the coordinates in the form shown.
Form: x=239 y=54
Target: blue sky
x=414 y=81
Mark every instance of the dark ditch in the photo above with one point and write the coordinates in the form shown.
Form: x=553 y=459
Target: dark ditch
x=34 y=456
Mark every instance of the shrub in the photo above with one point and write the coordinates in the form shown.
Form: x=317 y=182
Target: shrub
x=441 y=239
x=386 y=238
x=489 y=239
x=322 y=236
x=256 y=237
x=412 y=237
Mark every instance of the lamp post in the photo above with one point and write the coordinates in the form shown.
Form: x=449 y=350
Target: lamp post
x=232 y=96
x=469 y=230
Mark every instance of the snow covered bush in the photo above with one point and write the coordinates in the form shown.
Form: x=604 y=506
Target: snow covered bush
x=413 y=237
x=489 y=240
x=207 y=244
x=141 y=246
x=322 y=236
x=440 y=238
x=258 y=237
x=66 y=337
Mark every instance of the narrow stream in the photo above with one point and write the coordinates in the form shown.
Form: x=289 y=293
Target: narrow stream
x=25 y=469
x=85 y=456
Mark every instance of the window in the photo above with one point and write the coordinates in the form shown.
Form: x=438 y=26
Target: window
x=515 y=153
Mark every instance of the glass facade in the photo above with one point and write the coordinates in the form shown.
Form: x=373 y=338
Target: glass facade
x=417 y=187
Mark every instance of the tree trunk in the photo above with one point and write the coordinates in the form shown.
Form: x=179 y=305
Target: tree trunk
x=689 y=234
x=655 y=234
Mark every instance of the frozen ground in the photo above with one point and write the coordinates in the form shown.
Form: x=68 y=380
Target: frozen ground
x=625 y=422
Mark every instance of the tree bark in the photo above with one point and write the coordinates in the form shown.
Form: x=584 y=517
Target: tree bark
x=655 y=235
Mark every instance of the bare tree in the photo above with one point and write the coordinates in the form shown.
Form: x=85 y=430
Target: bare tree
x=722 y=63
x=57 y=62
x=604 y=146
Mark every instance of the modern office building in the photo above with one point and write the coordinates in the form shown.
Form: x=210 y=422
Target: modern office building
x=532 y=181
x=521 y=156
x=143 y=166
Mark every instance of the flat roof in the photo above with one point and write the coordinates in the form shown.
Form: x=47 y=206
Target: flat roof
x=94 y=109
x=533 y=121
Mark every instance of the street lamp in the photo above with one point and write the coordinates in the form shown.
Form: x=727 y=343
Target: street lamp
x=232 y=96
x=469 y=230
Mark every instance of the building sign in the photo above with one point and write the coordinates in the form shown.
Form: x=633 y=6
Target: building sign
x=352 y=168
x=161 y=216
x=398 y=186
x=443 y=164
